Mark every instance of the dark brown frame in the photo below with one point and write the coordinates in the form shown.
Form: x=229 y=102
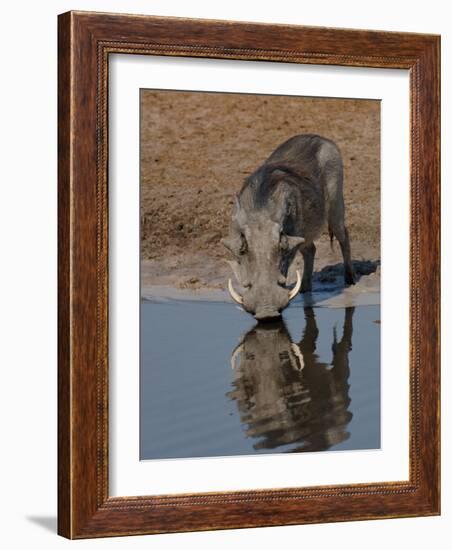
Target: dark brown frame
x=85 y=41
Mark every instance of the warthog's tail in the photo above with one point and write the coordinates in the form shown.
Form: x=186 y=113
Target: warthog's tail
x=331 y=234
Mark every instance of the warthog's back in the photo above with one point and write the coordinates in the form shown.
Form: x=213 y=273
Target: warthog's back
x=305 y=170
x=311 y=153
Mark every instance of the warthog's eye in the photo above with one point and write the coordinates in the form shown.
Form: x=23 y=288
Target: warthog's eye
x=243 y=246
x=283 y=242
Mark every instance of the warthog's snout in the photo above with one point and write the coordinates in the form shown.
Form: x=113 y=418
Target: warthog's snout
x=267 y=301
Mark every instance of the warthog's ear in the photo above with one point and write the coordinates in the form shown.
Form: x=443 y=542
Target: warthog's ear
x=238 y=214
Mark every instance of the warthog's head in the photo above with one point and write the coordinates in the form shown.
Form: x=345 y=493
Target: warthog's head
x=262 y=252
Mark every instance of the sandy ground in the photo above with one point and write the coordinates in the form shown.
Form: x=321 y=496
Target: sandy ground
x=196 y=150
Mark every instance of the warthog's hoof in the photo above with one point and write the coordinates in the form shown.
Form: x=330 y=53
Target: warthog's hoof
x=350 y=278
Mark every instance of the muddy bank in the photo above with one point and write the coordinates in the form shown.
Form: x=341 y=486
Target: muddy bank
x=328 y=288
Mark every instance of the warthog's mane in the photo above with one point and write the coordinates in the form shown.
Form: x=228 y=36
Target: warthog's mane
x=262 y=184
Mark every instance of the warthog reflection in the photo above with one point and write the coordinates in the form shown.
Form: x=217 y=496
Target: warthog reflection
x=285 y=395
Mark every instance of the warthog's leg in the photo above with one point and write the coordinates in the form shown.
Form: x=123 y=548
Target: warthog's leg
x=341 y=235
x=335 y=213
x=308 y=258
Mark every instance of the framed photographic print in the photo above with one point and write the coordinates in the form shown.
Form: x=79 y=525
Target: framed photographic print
x=248 y=275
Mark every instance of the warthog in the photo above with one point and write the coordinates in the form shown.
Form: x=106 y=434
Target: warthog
x=280 y=210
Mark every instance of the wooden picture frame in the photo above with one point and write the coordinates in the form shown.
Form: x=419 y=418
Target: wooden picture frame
x=85 y=42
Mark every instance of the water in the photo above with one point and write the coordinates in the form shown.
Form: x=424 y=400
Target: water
x=213 y=383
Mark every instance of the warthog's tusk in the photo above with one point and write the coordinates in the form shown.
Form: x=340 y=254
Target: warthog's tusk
x=238 y=350
x=297 y=352
x=296 y=288
x=235 y=295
